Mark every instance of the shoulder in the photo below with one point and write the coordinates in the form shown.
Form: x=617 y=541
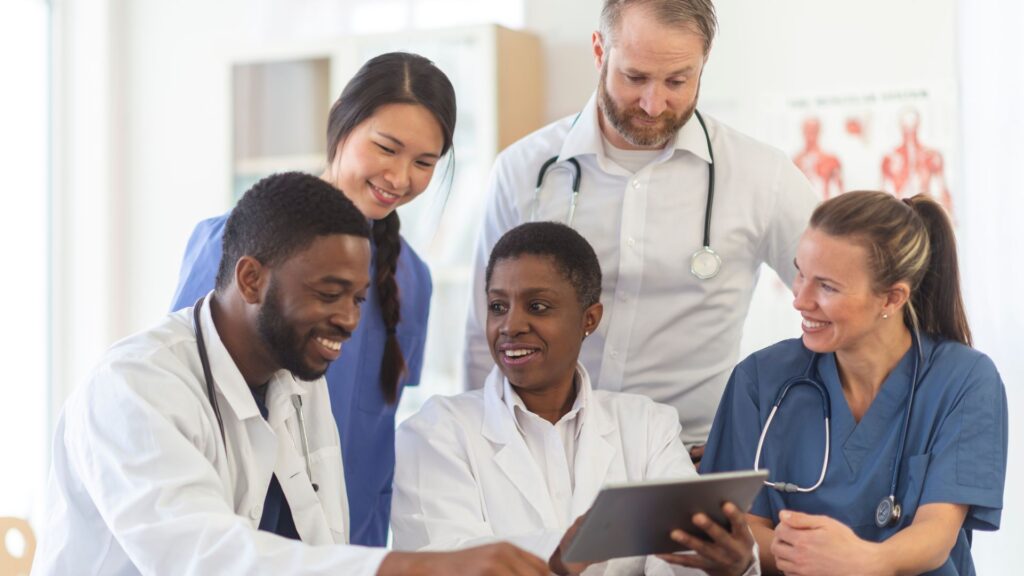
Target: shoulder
x=411 y=264
x=462 y=411
x=535 y=148
x=737 y=147
x=153 y=367
x=210 y=229
x=631 y=410
x=962 y=366
x=769 y=368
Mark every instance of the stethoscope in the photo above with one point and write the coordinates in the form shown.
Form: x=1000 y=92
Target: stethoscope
x=888 y=511
x=204 y=359
x=705 y=263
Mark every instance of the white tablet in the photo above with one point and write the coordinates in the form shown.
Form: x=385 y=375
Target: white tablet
x=635 y=519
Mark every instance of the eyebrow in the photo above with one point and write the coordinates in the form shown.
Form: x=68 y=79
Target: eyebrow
x=526 y=292
x=820 y=278
x=401 y=144
x=680 y=72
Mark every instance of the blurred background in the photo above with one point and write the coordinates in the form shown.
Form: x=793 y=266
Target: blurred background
x=125 y=122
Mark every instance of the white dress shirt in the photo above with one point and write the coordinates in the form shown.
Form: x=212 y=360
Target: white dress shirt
x=665 y=333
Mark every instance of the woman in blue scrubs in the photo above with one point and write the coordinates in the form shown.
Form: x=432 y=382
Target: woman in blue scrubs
x=871 y=268
x=386 y=132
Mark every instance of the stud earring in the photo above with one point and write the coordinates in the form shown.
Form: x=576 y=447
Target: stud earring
x=586 y=333
x=885 y=316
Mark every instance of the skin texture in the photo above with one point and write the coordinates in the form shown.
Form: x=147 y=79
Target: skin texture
x=316 y=293
x=532 y=306
x=388 y=159
x=845 y=313
x=650 y=80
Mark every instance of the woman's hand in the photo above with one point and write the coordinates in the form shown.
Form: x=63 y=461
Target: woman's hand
x=556 y=564
x=808 y=545
x=729 y=553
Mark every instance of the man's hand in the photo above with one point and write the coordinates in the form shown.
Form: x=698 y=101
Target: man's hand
x=729 y=553
x=501 y=559
x=807 y=544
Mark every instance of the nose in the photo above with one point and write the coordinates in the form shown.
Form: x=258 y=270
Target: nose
x=346 y=316
x=397 y=175
x=652 y=100
x=514 y=322
x=802 y=300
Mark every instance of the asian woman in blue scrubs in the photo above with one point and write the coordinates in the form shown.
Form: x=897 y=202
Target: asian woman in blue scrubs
x=871 y=268
x=386 y=133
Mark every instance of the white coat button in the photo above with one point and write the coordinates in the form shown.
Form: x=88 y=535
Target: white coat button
x=636 y=184
x=257 y=512
x=614 y=353
x=631 y=241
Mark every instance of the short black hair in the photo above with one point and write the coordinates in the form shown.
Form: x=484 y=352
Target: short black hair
x=283 y=214
x=573 y=256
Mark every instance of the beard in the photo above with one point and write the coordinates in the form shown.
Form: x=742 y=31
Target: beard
x=283 y=342
x=655 y=136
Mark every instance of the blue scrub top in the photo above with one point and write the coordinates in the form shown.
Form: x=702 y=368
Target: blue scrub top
x=366 y=423
x=955 y=452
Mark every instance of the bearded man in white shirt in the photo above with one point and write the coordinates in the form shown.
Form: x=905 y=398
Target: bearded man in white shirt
x=681 y=210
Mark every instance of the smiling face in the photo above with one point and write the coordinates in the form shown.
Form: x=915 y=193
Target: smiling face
x=835 y=294
x=311 y=304
x=650 y=79
x=535 y=323
x=388 y=159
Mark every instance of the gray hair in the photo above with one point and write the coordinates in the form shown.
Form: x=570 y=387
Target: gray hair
x=698 y=15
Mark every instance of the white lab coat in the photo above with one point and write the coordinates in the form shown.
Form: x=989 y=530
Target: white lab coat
x=141 y=484
x=464 y=475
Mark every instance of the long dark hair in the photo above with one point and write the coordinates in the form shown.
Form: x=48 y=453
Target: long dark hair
x=909 y=240
x=392 y=78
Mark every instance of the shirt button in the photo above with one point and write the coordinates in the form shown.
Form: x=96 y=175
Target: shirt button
x=257 y=512
x=631 y=241
x=636 y=184
x=614 y=353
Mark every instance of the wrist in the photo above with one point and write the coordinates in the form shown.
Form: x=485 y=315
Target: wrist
x=555 y=563
x=876 y=561
x=403 y=563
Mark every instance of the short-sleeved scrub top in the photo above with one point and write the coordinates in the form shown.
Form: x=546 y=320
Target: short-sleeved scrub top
x=956 y=444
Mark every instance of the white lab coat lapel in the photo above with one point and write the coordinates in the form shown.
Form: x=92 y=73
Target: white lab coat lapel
x=252 y=443
x=511 y=453
x=594 y=451
x=290 y=467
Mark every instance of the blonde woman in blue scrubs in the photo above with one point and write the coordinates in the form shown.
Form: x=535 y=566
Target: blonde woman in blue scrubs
x=871 y=268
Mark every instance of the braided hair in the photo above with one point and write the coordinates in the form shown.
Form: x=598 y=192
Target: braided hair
x=392 y=78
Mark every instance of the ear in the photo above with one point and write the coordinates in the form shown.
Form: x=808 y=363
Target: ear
x=250 y=277
x=598 y=44
x=895 y=298
x=592 y=318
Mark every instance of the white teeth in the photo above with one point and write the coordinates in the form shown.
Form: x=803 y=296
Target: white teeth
x=329 y=344
x=812 y=324
x=388 y=195
x=517 y=353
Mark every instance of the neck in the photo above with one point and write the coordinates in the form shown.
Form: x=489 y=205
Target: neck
x=551 y=402
x=863 y=370
x=241 y=339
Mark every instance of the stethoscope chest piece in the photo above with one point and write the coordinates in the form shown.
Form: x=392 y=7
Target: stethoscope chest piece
x=888 y=512
x=705 y=263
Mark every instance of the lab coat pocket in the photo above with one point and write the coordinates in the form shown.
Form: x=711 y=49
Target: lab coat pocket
x=371 y=397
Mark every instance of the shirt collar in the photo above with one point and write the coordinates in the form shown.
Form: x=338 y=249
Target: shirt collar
x=585 y=137
x=515 y=405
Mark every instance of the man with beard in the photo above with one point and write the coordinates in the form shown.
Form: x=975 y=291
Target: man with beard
x=676 y=291
x=206 y=444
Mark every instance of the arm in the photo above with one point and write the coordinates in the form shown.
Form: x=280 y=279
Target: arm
x=764 y=533
x=811 y=544
x=500 y=215
x=794 y=201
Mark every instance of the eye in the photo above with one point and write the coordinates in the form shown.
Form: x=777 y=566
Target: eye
x=826 y=287
x=539 y=307
x=676 y=83
x=496 y=308
x=360 y=300
x=424 y=164
x=635 y=79
x=328 y=296
x=384 y=148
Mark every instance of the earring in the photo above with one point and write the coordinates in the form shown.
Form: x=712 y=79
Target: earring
x=586 y=333
x=885 y=316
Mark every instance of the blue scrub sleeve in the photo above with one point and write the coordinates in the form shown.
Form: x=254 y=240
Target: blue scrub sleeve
x=199 y=266
x=968 y=460
x=733 y=440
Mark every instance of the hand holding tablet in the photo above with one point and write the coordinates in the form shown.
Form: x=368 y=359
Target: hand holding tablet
x=665 y=517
